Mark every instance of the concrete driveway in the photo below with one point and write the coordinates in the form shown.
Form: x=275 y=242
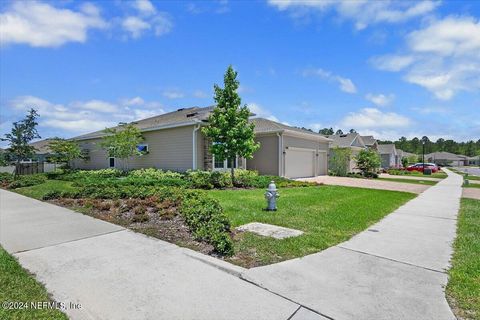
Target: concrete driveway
x=394 y=270
x=368 y=183
x=119 y=274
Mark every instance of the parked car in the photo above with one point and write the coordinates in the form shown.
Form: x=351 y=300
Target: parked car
x=419 y=167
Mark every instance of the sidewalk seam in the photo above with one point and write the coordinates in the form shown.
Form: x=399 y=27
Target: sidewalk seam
x=390 y=259
x=56 y=244
x=295 y=312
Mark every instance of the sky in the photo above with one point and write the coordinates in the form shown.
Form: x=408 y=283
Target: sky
x=387 y=68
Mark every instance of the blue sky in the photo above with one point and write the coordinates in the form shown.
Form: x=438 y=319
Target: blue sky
x=386 y=68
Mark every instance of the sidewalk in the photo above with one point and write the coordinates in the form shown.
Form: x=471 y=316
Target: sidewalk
x=119 y=274
x=394 y=270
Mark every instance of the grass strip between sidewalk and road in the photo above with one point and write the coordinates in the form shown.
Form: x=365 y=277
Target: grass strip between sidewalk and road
x=17 y=285
x=463 y=289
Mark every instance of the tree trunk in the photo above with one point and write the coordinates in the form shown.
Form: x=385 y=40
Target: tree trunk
x=17 y=169
x=232 y=170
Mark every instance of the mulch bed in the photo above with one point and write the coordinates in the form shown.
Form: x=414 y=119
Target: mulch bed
x=148 y=216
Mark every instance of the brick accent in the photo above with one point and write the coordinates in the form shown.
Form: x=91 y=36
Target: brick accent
x=207 y=156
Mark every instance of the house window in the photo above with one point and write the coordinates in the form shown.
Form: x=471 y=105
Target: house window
x=224 y=164
x=143 y=148
x=111 y=162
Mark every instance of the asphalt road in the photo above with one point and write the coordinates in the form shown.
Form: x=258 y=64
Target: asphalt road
x=474 y=171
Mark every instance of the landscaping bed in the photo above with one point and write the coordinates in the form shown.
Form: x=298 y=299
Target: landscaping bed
x=463 y=289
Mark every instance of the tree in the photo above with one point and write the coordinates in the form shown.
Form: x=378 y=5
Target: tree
x=22 y=133
x=65 y=150
x=122 y=143
x=326 y=131
x=339 y=160
x=339 y=132
x=404 y=162
x=228 y=126
x=368 y=161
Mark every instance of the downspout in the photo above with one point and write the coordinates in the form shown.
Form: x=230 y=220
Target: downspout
x=194 y=144
x=280 y=154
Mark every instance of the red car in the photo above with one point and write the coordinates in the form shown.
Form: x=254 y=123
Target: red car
x=419 y=167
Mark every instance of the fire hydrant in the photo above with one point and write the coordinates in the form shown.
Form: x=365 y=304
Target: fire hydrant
x=271 y=195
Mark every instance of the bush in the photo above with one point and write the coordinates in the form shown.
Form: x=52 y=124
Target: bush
x=368 y=161
x=5 y=179
x=398 y=172
x=27 y=181
x=245 y=178
x=205 y=218
x=77 y=175
x=339 y=161
x=199 y=179
x=152 y=173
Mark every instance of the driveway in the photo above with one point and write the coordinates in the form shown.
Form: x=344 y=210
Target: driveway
x=394 y=270
x=368 y=183
x=475 y=171
x=119 y=274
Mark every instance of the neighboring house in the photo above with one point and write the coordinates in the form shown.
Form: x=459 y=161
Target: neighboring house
x=403 y=154
x=174 y=141
x=474 y=161
x=352 y=141
x=370 y=142
x=389 y=156
x=447 y=159
x=42 y=150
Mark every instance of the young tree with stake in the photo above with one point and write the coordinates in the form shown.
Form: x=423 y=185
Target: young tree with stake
x=122 y=143
x=228 y=126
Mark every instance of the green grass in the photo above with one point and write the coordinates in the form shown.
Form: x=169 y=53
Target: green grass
x=425 y=182
x=17 y=285
x=327 y=214
x=39 y=190
x=463 y=289
x=472 y=185
x=440 y=175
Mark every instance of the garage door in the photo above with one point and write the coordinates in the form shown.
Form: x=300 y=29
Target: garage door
x=299 y=163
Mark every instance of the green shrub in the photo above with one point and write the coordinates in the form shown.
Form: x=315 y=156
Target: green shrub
x=199 y=179
x=245 y=178
x=152 y=173
x=78 y=175
x=206 y=220
x=398 y=172
x=220 y=179
x=27 y=181
x=5 y=179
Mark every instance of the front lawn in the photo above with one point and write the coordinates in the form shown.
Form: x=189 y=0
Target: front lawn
x=463 y=289
x=17 y=285
x=425 y=182
x=472 y=185
x=327 y=214
x=39 y=190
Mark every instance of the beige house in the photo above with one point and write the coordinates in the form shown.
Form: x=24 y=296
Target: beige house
x=370 y=142
x=443 y=158
x=352 y=141
x=389 y=156
x=174 y=141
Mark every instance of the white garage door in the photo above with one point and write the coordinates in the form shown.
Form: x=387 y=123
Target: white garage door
x=299 y=163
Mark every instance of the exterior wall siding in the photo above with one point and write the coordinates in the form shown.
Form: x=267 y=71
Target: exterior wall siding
x=265 y=159
x=169 y=149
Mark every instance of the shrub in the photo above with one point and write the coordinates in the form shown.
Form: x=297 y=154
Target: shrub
x=153 y=173
x=27 y=181
x=245 y=178
x=220 y=179
x=77 y=175
x=339 y=161
x=5 y=179
x=199 y=179
x=398 y=172
x=205 y=218
x=368 y=161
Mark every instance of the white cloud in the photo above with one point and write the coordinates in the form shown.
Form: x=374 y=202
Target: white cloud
x=162 y=24
x=135 y=26
x=42 y=25
x=144 y=6
x=372 y=118
x=381 y=99
x=345 y=84
x=361 y=12
x=173 y=94
x=261 y=112
x=443 y=57
x=200 y=94
x=79 y=117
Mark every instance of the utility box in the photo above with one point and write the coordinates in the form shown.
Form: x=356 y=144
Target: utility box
x=427 y=172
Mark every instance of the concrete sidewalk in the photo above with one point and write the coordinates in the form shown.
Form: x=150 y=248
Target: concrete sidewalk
x=393 y=270
x=119 y=274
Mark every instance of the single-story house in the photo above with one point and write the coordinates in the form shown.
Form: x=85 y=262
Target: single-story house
x=444 y=158
x=474 y=161
x=388 y=155
x=370 y=142
x=352 y=141
x=174 y=141
x=403 y=154
x=42 y=150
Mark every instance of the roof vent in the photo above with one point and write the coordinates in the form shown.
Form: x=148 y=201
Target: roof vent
x=193 y=114
x=181 y=109
x=343 y=135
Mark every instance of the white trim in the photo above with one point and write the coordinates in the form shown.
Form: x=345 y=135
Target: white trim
x=194 y=144
x=225 y=164
x=300 y=149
